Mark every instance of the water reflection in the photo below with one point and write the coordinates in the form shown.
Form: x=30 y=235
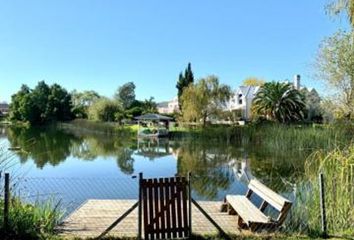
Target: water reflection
x=216 y=168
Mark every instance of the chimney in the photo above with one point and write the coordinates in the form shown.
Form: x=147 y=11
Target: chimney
x=297 y=78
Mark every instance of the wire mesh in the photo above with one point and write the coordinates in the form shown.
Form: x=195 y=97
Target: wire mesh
x=91 y=205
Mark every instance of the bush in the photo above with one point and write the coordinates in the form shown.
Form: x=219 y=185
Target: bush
x=104 y=110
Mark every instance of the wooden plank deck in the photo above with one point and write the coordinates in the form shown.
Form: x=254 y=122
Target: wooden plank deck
x=94 y=216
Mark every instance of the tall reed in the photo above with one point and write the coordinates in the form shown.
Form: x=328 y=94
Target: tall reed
x=338 y=169
x=36 y=220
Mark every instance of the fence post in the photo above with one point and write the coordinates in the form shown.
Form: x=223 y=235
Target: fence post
x=6 y=201
x=323 y=206
x=190 y=203
x=140 y=207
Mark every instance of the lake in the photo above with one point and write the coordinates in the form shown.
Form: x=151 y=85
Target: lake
x=76 y=164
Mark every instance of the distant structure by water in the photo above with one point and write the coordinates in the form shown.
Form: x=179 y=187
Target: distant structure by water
x=4 y=109
x=168 y=107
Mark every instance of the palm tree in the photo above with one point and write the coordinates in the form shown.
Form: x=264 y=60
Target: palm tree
x=280 y=102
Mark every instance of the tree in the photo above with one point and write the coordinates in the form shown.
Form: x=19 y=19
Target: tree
x=41 y=105
x=59 y=104
x=22 y=106
x=82 y=101
x=104 y=110
x=339 y=6
x=280 y=102
x=125 y=94
x=205 y=99
x=313 y=104
x=184 y=81
x=40 y=97
x=253 y=81
x=335 y=66
x=149 y=106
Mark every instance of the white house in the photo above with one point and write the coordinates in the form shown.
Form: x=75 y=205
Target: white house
x=168 y=107
x=242 y=100
x=244 y=95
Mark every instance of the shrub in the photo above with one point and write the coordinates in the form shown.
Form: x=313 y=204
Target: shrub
x=104 y=110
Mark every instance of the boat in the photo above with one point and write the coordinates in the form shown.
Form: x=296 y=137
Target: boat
x=153 y=132
x=14 y=148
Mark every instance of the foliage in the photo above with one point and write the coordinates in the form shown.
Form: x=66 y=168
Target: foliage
x=337 y=168
x=41 y=105
x=313 y=105
x=253 y=81
x=280 y=102
x=149 y=106
x=82 y=101
x=335 y=65
x=205 y=99
x=32 y=221
x=125 y=95
x=233 y=116
x=336 y=7
x=104 y=110
x=184 y=80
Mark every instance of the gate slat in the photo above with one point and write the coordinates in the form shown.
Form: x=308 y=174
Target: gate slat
x=179 y=207
x=156 y=208
x=162 y=206
x=168 y=212
x=151 y=210
x=173 y=205
x=184 y=207
x=145 y=209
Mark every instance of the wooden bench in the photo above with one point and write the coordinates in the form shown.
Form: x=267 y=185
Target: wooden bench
x=252 y=217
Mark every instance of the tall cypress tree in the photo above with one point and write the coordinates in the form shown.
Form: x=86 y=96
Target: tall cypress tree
x=183 y=81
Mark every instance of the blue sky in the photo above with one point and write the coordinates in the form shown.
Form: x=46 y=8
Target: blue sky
x=101 y=44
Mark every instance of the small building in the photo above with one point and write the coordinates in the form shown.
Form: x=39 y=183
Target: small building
x=168 y=107
x=4 y=109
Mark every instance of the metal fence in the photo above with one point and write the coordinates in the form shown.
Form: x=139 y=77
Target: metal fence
x=90 y=205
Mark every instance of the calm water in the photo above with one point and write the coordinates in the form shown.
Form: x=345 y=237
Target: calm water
x=77 y=165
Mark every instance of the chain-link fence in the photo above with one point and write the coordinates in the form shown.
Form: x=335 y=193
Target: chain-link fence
x=87 y=207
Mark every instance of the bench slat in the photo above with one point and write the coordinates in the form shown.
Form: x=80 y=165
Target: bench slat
x=244 y=208
x=268 y=195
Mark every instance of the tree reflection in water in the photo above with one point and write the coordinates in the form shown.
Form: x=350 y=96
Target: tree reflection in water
x=213 y=165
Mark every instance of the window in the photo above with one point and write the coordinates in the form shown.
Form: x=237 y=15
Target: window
x=240 y=99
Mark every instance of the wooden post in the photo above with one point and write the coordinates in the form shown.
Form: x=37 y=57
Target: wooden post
x=6 y=201
x=140 y=207
x=323 y=206
x=190 y=204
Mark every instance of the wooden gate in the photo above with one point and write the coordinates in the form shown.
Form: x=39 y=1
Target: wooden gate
x=165 y=208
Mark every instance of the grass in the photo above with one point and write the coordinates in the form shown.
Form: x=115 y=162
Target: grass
x=338 y=169
x=26 y=221
x=31 y=221
x=108 y=128
x=275 y=137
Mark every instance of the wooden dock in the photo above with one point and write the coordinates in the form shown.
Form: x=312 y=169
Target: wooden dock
x=95 y=216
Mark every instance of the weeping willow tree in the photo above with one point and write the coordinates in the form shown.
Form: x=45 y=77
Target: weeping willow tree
x=335 y=66
x=204 y=100
x=339 y=7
